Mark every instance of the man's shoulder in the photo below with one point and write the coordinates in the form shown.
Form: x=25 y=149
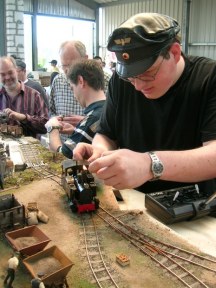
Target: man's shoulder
x=35 y=85
x=13 y=260
x=61 y=85
x=2 y=90
x=61 y=81
x=199 y=67
x=31 y=90
x=201 y=61
x=95 y=105
x=60 y=77
x=94 y=110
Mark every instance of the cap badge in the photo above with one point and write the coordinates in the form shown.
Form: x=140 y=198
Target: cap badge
x=123 y=41
x=125 y=56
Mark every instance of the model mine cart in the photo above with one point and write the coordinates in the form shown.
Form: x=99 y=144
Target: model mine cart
x=52 y=264
x=28 y=240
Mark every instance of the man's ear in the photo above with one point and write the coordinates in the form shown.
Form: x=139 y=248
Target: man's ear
x=175 y=49
x=81 y=80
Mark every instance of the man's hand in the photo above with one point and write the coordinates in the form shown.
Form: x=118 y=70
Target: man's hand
x=72 y=120
x=52 y=122
x=66 y=128
x=14 y=115
x=122 y=168
x=84 y=151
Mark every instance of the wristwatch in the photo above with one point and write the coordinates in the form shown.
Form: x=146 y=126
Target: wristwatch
x=50 y=128
x=156 y=166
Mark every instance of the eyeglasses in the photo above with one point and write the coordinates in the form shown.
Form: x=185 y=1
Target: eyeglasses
x=144 y=77
x=19 y=70
x=64 y=66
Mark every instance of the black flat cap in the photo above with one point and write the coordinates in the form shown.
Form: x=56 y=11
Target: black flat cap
x=53 y=62
x=138 y=41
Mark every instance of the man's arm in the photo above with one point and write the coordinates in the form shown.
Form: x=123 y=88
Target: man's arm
x=190 y=165
x=124 y=168
x=54 y=140
x=37 y=118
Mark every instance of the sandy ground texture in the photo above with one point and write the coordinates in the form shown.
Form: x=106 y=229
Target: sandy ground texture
x=64 y=230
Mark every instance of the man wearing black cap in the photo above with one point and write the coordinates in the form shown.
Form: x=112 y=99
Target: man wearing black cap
x=158 y=128
x=54 y=67
x=37 y=282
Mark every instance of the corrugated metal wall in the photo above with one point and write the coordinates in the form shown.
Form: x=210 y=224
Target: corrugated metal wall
x=111 y=16
x=202 y=19
x=202 y=35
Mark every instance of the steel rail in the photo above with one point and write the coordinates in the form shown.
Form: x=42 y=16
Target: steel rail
x=153 y=249
x=99 y=282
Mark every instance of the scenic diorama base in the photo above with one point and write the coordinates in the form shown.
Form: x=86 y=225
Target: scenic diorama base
x=64 y=230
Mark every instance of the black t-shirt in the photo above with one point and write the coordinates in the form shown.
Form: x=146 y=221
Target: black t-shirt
x=182 y=119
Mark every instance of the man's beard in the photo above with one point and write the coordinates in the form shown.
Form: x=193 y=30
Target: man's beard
x=11 y=87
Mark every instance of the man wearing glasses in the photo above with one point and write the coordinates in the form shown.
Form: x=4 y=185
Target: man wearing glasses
x=159 y=121
x=62 y=102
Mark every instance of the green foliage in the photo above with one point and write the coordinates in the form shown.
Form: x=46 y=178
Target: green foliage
x=84 y=284
x=52 y=163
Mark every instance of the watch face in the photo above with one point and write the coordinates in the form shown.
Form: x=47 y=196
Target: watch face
x=157 y=168
x=49 y=129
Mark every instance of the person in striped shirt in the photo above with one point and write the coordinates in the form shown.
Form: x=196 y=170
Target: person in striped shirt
x=23 y=105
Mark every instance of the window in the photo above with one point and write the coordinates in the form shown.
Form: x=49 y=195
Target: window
x=51 y=32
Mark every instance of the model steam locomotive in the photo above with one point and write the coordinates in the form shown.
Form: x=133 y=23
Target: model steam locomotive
x=79 y=186
x=3 y=117
x=7 y=129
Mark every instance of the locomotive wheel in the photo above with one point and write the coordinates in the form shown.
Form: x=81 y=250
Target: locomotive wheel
x=74 y=208
x=96 y=203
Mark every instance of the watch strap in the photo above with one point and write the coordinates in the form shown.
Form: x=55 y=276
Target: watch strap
x=155 y=161
x=59 y=149
x=53 y=127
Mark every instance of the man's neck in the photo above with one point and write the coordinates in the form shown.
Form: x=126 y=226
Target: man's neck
x=95 y=96
x=180 y=68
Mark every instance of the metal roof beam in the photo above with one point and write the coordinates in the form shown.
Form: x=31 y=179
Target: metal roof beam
x=89 y=3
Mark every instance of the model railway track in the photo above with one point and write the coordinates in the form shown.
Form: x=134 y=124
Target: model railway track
x=30 y=153
x=94 y=254
x=31 y=157
x=178 y=262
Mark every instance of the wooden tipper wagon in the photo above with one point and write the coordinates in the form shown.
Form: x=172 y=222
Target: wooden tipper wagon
x=51 y=262
x=28 y=240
